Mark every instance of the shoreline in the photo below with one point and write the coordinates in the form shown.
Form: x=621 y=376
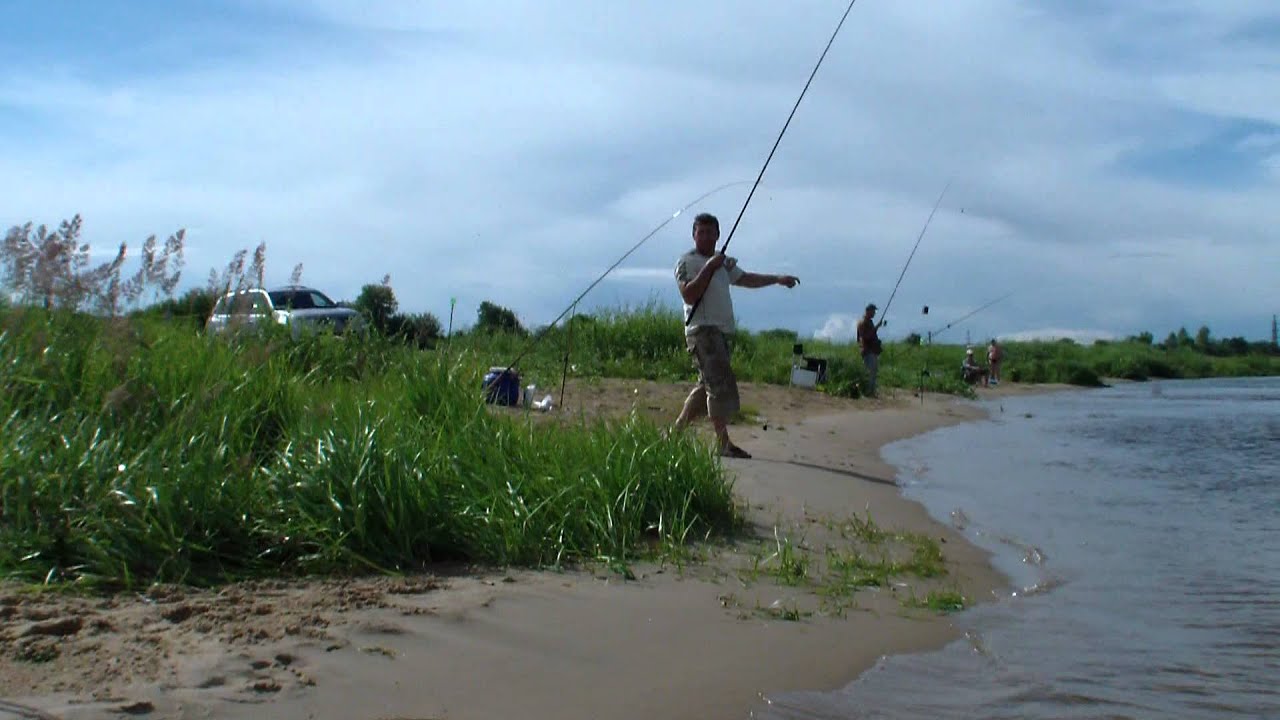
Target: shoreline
x=561 y=644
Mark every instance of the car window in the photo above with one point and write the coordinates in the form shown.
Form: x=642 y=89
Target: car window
x=291 y=300
x=320 y=300
x=301 y=299
x=248 y=303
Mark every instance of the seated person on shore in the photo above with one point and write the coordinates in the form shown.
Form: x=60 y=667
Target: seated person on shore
x=971 y=371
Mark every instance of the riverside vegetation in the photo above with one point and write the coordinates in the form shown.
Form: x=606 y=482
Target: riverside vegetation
x=137 y=449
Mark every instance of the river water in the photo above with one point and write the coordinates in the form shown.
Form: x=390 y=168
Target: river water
x=1140 y=527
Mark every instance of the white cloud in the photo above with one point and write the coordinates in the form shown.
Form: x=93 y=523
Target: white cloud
x=1236 y=93
x=644 y=274
x=1079 y=335
x=1259 y=142
x=513 y=151
x=1272 y=163
x=838 y=328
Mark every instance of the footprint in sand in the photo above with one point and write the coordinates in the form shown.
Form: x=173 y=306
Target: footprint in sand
x=265 y=686
x=382 y=628
x=142 y=707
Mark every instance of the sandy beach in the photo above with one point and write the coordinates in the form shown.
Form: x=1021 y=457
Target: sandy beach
x=710 y=638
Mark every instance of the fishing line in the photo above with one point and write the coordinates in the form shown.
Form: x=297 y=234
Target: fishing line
x=884 y=314
x=946 y=327
x=537 y=338
x=785 y=125
x=933 y=334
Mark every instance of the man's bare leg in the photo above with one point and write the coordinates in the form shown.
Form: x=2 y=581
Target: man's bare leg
x=695 y=405
x=726 y=446
x=721 y=426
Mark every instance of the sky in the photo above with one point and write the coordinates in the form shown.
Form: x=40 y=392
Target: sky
x=1112 y=167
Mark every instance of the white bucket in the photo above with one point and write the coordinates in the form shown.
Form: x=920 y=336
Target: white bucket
x=804 y=378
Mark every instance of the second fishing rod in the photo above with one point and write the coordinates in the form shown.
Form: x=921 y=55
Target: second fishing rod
x=935 y=333
x=574 y=305
x=751 y=194
x=884 y=314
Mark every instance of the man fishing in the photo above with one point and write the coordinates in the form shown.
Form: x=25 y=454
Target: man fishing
x=869 y=343
x=704 y=276
x=972 y=372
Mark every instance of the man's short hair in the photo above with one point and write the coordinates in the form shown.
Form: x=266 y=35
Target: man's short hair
x=706 y=219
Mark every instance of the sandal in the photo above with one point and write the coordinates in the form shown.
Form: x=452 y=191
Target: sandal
x=733 y=451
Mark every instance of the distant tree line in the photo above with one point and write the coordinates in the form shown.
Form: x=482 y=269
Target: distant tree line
x=1204 y=342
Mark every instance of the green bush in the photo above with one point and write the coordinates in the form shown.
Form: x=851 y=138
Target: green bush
x=846 y=377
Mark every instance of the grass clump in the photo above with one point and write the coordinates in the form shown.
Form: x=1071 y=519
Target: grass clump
x=943 y=601
x=142 y=451
x=787 y=562
x=857 y=553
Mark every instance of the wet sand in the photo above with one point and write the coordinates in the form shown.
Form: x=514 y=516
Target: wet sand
x=708 y=639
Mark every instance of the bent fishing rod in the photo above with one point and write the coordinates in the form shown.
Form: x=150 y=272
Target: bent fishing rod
x=934 y=333
x=884 y=315
x=785 y=125
x=946 y=327
x=537 y=338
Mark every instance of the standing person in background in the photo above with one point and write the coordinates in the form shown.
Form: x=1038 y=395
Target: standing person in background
x=869 y=343
x=995 y=354
x=704 y=274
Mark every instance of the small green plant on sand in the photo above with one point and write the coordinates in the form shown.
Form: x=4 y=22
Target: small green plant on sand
x=783 y=611
x=943 y=601
x=859 y=554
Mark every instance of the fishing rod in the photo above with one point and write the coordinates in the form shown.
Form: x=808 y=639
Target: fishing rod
x=946 y=327
x=538 y=338
x=568 y=348
x=785 y=125
x=934 y=333
x=885 y=313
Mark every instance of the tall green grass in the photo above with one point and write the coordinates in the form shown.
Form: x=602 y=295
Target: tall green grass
x=142 y=451
x=647 y=342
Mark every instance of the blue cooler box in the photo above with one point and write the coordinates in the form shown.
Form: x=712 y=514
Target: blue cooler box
x=502 y=386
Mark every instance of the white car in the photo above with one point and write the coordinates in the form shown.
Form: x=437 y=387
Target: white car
x=293 y=305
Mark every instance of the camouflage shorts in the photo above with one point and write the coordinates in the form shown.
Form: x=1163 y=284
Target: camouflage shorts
x=710 y=350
